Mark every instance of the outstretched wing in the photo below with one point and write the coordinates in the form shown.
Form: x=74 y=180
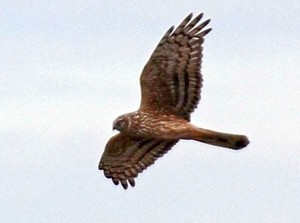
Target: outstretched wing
x=125 y=157
x=171 y=80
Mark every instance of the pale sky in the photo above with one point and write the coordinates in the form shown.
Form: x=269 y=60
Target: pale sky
x=69 y=68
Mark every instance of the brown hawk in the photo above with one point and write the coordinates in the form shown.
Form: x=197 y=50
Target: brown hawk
x=171 y=84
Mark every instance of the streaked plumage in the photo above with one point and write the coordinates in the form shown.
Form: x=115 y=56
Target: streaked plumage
x=171 y=85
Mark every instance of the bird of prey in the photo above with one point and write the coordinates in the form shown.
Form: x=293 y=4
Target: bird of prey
x=171 y=84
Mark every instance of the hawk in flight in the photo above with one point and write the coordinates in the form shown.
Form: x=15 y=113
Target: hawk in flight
x=171 y=85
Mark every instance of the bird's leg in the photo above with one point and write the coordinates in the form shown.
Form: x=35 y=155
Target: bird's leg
x=221 y=139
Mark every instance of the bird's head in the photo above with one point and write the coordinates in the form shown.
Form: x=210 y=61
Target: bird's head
x=122 y=123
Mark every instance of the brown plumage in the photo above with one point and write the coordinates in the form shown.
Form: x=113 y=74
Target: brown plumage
x=171 y=85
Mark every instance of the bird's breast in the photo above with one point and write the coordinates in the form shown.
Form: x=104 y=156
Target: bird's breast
x=160 y=126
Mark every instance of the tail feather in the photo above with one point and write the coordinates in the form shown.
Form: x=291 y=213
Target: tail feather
x=221 y=139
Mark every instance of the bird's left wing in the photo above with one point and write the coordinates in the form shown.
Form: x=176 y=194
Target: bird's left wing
x=125 y=157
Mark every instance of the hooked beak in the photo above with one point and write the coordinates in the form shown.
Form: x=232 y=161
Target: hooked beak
x=114 y=126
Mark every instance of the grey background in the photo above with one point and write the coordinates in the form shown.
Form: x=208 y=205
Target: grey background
x=68 y=68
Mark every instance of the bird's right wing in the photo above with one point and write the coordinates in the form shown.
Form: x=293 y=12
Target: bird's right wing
x=171 y=80
x=125 y=157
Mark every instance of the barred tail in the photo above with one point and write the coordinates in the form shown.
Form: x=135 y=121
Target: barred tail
x=221 y=139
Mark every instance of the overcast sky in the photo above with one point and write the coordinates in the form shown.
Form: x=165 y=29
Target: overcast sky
x=69 y=68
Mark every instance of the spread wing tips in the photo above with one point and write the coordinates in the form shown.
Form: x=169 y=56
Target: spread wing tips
x=186 y=27
x=183 y=24
x=124 y=183
x=119 y=178
x=170 y=30
x=167 y=35
x=203 y=33
x=195 y=31
x=197 y=18
x=187 y=19
x=191 y=28
x=193 y=22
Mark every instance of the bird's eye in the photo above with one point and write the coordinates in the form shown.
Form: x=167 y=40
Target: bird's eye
x=124 y=123
x=120 y=123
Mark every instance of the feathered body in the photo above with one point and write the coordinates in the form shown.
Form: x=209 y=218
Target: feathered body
x=171 y=84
